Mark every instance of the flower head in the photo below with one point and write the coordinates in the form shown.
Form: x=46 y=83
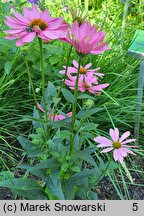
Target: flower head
x=87 y=83
x=116 y=144
x=86 y=39
x=34 y=23
x=84 y=71
x=54 y=117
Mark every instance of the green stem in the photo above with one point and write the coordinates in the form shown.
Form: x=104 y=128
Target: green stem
x=43 y=77
x=74 y=106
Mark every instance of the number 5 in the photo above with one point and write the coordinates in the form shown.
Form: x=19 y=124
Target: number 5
x=135 y=207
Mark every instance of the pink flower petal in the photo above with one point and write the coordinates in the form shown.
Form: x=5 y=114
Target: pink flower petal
x=123 y=152
x=129 y=151
x=75 y=64
x=54 y=23
x=128 y=141
x=115 y=154
x=54 y=34
x=106 y=150
x=124 y=136
x=69 y=114
x=88 y=65
x=114 y=134
x=103 y=141
x=35 y=12
x=120 y=157
x=19 y=42
x=40 y=108
x=21 y=18
x=45 y=15
x=29 y=37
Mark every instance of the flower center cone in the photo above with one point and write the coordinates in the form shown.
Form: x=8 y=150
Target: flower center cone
x=38 y=23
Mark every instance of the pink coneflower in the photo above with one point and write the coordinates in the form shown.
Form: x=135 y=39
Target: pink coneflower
x=86 y=38
x=84 y=71
x=116 y=144
x=88 y=83
x=54 y=117
x=33 y=23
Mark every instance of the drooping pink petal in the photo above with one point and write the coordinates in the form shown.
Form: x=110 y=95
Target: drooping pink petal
x=29 y=37
x=19 y=42
x=69 y=114
x=55 y=23
x=120 y=156
x=87 y=39
x=123 y=152
x=129 y=151
x=115 y=154
x=55 y=34
x=40 y=108
x=11 y=37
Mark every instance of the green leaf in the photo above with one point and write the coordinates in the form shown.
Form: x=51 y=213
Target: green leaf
x=65 y=166
x=54 y=185
x=81 y=178
x=68 y=95
x=51 y=90
x=75 y=169
x=63 y=134
x=4 y=175
x=88 y=126
x=36 y=122
x=53 y=60
x=92 y=111
x=47 y=164
x=29 y=147
x=7 y=67
x=29 y=188
x=68 y=189
x=85 y=155
x=76 y=142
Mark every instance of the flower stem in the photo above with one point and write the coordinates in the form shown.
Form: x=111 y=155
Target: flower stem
x=74 y=106
x=43 y=77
